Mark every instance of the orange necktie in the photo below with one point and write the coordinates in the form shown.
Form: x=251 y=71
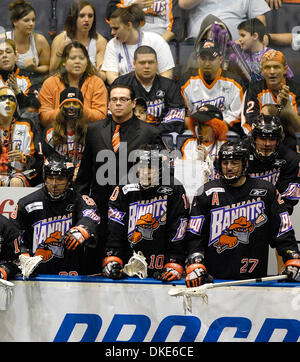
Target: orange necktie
x=116 y=139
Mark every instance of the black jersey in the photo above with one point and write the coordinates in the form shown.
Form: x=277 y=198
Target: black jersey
x=258 y=94
x=152 y=221
x=43 y=221
x=283 y=172
x=9 y=248
x=234 y=226
x=165 y=104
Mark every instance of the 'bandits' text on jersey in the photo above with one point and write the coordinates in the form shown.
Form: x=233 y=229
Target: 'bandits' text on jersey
x=43 y=221
x=234 y=226
x=152 y=221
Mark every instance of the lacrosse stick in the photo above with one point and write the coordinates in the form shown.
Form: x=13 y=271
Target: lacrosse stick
x=201 y=291
x=187 y=293
x=6 y=291
x=136 y=265
x=28 y=264
x=237 y=58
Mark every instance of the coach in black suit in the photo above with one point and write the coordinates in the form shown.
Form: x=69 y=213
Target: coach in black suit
x=101 y=167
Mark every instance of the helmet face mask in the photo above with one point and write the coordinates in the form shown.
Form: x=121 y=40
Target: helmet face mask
x=265 y=137
x=232 y=162
x=57 y=175
x=149 y=168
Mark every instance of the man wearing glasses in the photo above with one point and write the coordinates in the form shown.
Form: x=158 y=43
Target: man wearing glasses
x=105 y=161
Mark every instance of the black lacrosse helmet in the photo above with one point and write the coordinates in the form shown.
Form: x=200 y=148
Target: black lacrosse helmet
x=233 y=151
x=266 y=127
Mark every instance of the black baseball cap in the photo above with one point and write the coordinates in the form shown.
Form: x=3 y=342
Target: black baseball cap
x=210 y=48
x=141 y=102
x=207 y=112
x=71 y=94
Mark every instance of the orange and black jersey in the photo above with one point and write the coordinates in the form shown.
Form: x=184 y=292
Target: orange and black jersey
x=152 y=221
x=27 y=98
x=258 y=94
x=43 y=221
x=22 y=135
x=9 y=248
x=234 y=226
x=283 y=172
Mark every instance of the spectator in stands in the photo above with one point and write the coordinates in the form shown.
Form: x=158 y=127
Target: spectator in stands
x=75 y=70
x=16 y=78
x=209 y=133
x=165 y=105
x=33 y=48
x=140 y=109
x=19 y=159
x=213 y=85
x=162 y=17
x=125 y=26
x=251 y=41
x=231 y=14
x=275 y=88
x=67 y=134
x=80 y=25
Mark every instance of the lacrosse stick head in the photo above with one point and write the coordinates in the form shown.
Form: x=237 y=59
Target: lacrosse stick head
x=136 y=265
x=28 y=264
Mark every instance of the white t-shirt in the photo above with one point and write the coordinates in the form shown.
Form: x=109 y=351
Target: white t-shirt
x=116 y=59
x=157 y=17
x=230 y=12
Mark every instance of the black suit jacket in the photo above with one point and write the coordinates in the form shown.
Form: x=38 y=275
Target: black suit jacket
x=94 y=163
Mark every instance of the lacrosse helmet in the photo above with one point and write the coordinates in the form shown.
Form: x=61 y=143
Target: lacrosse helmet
x=58 y=167
x=150 y=166
x=233 y=151
x=266 y=127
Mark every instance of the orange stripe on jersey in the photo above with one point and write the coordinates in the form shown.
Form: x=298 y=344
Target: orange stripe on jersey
x=185 y=144
x=3 y=273
x=171 y=15
x=23 y=77
x=210 y=86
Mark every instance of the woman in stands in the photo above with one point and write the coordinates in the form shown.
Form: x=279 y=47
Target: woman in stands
x=125 y=26
x=67 y=135
x=33 y=48
x=80 y=25
x=75 y=70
